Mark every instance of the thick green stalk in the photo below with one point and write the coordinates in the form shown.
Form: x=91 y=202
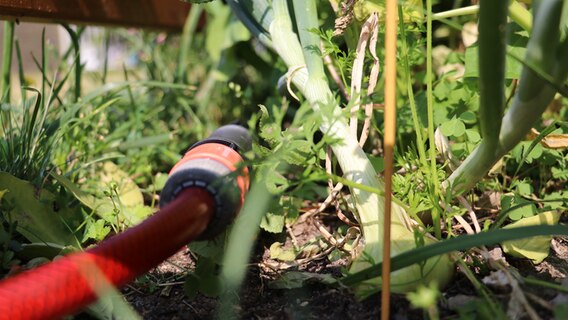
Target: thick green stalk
x=492 y=51
x=7 y=60
x=533 y=96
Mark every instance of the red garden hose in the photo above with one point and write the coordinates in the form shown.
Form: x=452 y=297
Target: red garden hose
x=200 y=199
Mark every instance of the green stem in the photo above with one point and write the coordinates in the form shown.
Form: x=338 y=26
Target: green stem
x=520 y=15
x=406 y=65
x=456 y=12
x=492 y=50
x=517 y=13
x=186 y=40
x=545 y=284
x=431 y=139
x=78 y=68
x=7 y=60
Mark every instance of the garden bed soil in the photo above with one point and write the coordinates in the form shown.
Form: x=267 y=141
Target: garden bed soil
x=318 y=301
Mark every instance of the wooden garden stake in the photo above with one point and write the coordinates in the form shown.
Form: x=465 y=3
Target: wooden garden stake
x=389 y=139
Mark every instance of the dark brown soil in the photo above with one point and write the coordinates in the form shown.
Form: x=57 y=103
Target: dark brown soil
x=162 y=297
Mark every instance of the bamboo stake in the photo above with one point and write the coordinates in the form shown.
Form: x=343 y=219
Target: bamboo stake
x=389 y=140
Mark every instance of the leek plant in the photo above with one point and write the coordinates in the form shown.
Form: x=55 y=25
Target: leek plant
x=272 y=23
x=544 y=71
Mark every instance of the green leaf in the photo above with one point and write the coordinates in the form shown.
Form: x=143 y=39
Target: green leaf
x=535 y=248
x=378 y=163
x=130 y=202
x=97 y=230
x=454 y=127
x=472 y=135
x=221 y=19
x=517 y=207
x=524 y=188
x=297 y=279
x=204 y=279
x=102 y=208
x=517 y=47
x=468 y=117
x=269 y=131
x=279 y=253
x=33 y=210
x=272 y=222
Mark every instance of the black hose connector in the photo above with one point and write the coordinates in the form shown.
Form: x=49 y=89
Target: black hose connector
x=214 y=165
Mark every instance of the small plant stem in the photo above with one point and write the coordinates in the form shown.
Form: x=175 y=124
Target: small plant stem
x=43 y=64
x=456 y=12
x=389 y=142
x=21 y=72
x=517 y=13
x=78 y=69
x=545 y=284
x=435 y=189
x=406 y=66
x=480 y=288
x=105 y=61
x=520 y=15
x=186 y=40
x=7 y=59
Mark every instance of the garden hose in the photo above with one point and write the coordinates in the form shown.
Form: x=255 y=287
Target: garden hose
x=203 y=193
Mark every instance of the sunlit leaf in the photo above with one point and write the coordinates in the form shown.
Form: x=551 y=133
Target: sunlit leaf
x=535 y=248
x=33 y=210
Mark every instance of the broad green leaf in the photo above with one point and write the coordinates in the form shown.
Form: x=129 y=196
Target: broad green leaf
x=204 y=279
x=272 y=222
x=535 y=248
x=516 y=47
x=468 y=117
x=524 y=188
x=378 y=163
x=279 y=253
x=454 y=127
x=560 y=200
x=34 y=213
x=472 y=136
x=220 y=18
